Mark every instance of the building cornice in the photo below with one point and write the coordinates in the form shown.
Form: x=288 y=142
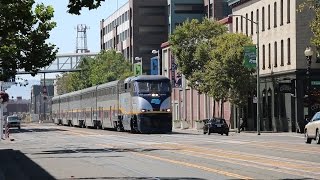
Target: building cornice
x=235 y=3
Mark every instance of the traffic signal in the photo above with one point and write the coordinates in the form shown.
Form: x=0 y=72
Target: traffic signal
x=4 y=97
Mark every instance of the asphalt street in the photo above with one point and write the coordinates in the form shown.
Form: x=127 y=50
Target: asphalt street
x=47 y=151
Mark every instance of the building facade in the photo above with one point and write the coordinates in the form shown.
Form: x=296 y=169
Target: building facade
x=17 y=106
x=40 y=102
x=181 y=10
x=135 y=29
x=283 y=36
x=187 y=104
x=216 y=9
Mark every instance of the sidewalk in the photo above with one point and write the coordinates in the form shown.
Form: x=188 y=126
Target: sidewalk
x=235 y=131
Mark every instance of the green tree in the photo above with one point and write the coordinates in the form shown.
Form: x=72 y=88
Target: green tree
x=226 y=77
x=75 y=6
x=24 y=35
x=63 y=83
x=107 y=66
x=185 y=41
x=313 y=5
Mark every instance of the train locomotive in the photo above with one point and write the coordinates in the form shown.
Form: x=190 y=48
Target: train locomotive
x=137 y=104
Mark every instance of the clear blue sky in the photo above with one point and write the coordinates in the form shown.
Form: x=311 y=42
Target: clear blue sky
x=64 y=35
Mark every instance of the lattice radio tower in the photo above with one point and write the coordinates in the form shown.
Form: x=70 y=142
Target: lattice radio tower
x=82 y=46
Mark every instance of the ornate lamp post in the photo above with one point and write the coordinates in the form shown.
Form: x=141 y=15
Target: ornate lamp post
x=308 y=53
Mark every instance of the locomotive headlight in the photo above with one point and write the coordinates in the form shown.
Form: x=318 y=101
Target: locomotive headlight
x=154 y=95
x=143 y=110
x=168 y=110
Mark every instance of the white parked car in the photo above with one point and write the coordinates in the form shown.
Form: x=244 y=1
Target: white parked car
x=312 y=129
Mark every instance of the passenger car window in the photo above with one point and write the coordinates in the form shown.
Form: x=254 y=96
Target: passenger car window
x=316 y=117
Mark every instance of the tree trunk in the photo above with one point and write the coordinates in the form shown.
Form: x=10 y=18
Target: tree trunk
x=221 y=108
x=214 y=108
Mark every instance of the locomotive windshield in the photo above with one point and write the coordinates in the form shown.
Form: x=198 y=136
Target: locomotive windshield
x=152 y=86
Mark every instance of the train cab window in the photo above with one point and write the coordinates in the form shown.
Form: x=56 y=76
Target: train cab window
x=152 y=86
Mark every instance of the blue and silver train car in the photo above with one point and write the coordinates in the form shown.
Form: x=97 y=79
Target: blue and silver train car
x=136 y=104
x=145 y=104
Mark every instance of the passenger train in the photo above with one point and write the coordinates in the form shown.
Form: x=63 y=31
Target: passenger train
x=137 y=104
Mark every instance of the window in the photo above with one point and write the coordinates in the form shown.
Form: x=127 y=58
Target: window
x=263 y=17
x=275 y=15
x=241 y=26
x=151 y=29
x=275 y=54
x=257 y=19
x=251 y=22
x=282 y=54
x=152 y=11
x=263 y=57
x=269 y=16
x=269 y=53
x=126 y=16
x=289 y=52
x=247 y=24
x=189 y=9
x=288 y=11
x=210 y=10
x=281 y=12
x=237 y=24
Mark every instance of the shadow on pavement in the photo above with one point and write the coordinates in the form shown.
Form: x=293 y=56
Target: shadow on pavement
x=32 y=130
x=102 y=150
x=76 y=157
x=14 y=165
x=138 y=178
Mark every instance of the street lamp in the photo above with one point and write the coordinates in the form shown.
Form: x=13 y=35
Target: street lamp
x=158 y=54
x=308 y=53
x=257 y=68
x=139 y=59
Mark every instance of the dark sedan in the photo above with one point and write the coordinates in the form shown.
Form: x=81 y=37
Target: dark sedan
x=216 y=125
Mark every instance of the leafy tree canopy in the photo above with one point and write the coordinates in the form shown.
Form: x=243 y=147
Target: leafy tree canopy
x=225 y=76
x=75 y=6
x=107 y=66
x=185 y=41
x=315 y=23
x=23 y=33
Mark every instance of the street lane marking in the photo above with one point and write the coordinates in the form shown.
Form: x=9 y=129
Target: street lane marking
x=184 y=163
x=204 y=168
x=250 y=158
x=243 y=162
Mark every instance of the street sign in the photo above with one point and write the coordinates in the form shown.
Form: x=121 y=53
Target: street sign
x=315 y=83
x=250 y=57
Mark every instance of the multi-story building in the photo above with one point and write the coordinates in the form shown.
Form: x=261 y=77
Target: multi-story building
x=40 y=102
x=216 y=9
x=135 y=29
x=181 y=10
x=284 y=34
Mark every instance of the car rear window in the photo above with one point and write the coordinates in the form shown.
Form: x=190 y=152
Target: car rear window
x=13 y=118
